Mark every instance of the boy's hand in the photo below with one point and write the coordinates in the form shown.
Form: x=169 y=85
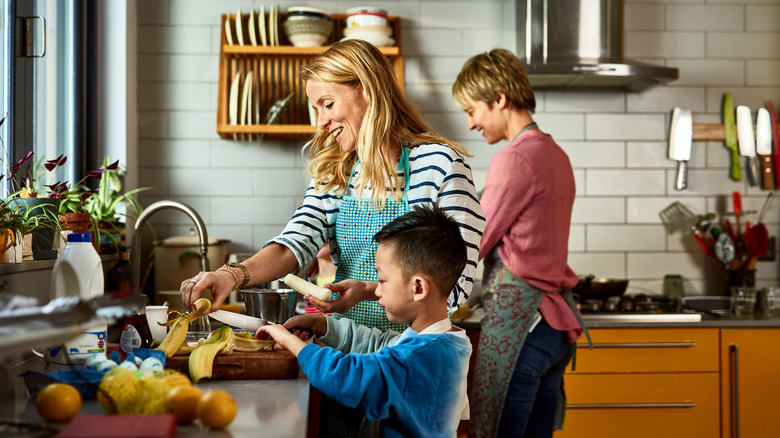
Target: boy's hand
x=350 y=293
x=282 y=336
x=318 y=324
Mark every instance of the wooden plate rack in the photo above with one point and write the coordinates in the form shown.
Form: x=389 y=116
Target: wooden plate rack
x=275 y=75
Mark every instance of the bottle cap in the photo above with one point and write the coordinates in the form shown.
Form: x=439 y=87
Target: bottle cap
x=80 y=237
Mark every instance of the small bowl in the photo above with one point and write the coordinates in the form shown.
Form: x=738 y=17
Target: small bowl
x=307 y=32
x=299 y=12
x=357 y=31
x=366 y=16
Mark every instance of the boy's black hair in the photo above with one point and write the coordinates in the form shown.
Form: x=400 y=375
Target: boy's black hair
x=428 y=241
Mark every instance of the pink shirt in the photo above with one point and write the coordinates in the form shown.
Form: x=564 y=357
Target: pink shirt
x=527 y=201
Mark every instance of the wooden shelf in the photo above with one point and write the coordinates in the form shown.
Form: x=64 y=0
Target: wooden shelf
x=275 y=76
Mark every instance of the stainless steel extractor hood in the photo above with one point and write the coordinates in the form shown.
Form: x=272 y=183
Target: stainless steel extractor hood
x=579 y=43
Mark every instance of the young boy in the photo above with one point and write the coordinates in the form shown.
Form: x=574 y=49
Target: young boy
x=411 y=383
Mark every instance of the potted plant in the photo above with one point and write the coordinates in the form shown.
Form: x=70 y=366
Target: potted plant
x=110 y=206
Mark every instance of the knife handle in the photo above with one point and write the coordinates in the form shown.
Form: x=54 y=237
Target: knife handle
x=766 y=172
x=681 y=183
x=736 y=175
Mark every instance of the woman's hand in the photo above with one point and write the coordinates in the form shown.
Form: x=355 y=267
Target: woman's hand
x=282 y=337
x=350 y=293
x=221 y=284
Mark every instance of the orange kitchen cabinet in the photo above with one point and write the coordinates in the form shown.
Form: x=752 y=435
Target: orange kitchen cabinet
x=644 y=383
x=750 y=382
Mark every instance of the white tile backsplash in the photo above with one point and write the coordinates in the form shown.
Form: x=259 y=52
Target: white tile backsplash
x=617 y=141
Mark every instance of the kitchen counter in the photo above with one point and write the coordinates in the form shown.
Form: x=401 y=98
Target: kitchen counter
x=604 y=320
x=278 y=408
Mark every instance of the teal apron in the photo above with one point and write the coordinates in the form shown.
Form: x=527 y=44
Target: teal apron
x=356 y=225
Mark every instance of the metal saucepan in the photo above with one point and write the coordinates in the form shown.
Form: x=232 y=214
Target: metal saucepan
x=590 y=287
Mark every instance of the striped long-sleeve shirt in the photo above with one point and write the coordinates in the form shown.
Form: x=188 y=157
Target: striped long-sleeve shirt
x=438 y=175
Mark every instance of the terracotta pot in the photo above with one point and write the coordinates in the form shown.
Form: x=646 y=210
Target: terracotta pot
x=76 y=222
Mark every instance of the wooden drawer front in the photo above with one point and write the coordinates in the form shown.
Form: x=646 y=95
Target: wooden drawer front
x=641 y=405
x=648 y=350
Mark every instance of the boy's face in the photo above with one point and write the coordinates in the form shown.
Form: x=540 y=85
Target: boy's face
x=396 y=294
x=484 y=117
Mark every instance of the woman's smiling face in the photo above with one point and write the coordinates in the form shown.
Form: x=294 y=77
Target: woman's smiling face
x=340 y=110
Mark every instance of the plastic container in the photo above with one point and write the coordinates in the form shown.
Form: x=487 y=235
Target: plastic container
x=78 y=272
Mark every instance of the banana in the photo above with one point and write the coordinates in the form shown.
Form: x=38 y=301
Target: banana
x=306 y=288
x=179 y=327
x=202 y=358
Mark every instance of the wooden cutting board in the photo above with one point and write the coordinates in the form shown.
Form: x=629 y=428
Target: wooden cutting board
x=240 y=365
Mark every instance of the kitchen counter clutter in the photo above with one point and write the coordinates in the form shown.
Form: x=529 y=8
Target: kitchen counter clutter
x=278 y=408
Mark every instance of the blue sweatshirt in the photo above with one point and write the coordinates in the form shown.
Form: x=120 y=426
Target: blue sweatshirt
x=411 y=384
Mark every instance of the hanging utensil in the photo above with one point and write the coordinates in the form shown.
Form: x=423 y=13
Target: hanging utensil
x=756 y=245
x=764 y=147
x=747 y=142
x=765 y=208
x=724 y=249
x=775 y=142
x=680 y=138
x=730 y=134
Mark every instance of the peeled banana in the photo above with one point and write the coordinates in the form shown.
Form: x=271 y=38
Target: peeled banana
x=305 y=288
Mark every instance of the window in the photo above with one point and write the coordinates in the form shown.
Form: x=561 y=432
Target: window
x=48 y=78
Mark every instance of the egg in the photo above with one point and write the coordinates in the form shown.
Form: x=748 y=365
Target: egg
x=151 y=363
x=106 y=365
x=129 y=365
x=95 y=359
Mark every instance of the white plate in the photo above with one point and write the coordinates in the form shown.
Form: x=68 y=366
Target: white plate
x=247 y=117
x=261 y=24
x=228 y=32
x=251 y=28
x=233 y=101
x=239 y=28
x=245 y=99
x=272 y=26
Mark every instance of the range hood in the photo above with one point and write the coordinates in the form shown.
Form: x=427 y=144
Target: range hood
x=579 y=44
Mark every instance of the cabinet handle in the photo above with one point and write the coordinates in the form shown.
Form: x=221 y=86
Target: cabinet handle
x=734 y=381
x=631 y=405
x=642 y=345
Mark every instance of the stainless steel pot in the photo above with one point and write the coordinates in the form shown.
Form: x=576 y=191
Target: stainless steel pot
x=273 y=305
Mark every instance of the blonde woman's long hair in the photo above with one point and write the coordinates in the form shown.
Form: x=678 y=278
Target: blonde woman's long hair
x=390 y=121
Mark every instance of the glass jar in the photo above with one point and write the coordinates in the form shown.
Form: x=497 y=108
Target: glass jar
x=738 y=278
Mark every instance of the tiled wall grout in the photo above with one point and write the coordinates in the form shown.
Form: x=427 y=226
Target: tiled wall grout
x=616 y=141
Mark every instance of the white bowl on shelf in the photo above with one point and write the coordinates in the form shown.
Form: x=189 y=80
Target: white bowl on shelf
x=308 y=32
x=385 y=31
x=366 y=16
x=376 y=40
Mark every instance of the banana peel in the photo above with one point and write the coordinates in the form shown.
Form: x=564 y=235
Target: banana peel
x=179 y=326
x=246 y=342
x=201 y=360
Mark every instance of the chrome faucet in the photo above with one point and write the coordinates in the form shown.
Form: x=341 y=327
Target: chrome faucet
x=200 y=227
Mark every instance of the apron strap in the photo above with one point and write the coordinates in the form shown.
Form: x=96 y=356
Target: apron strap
x=569 y=298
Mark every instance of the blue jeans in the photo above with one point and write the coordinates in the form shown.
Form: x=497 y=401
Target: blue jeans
x=533 y=393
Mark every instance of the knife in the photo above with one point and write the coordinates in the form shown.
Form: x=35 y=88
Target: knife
x=680 y=138
x=764 y=146
x=234 y=319
x=730 y=134
x=775 y=142
x=747 y=142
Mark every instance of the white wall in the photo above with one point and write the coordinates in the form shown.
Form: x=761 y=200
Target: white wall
x=617 y=141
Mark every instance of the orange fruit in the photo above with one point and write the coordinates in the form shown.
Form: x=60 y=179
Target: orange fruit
x=58 y=402
x=183 y=401
x=217 y=409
